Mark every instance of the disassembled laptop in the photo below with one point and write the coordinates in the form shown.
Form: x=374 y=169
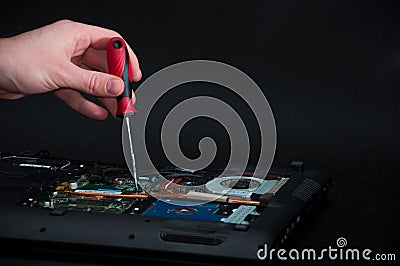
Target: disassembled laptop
x=94 y=187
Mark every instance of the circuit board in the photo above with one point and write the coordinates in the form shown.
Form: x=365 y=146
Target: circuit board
x=108 y=188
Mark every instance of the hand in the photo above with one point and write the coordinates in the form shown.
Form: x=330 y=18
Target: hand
x=65 y=57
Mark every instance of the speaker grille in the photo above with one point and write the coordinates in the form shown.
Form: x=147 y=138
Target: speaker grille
x=306 y=189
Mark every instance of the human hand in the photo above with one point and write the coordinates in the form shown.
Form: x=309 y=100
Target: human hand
x=68 y=58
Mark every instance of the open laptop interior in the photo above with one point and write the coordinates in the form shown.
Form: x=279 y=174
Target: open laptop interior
x=73 y=207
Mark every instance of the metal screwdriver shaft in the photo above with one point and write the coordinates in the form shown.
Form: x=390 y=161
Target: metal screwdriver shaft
x=119 y=65
x=128 y=126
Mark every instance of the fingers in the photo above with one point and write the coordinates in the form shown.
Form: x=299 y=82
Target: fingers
x=91 y=82
x=137 y=73
x=110 y=104
x=85 y=35
x=97 y=36
x=89 y=36
x=77 y=102
x=10 y=96
x=87 y=53
x=96 y=59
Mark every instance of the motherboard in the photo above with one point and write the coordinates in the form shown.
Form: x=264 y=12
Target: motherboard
x=73 y=185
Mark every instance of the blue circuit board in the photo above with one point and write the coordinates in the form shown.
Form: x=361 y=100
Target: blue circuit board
x=203 y=212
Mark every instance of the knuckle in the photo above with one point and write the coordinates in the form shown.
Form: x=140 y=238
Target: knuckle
x=117 y=34
x=91 y=83
x=64 y=21
x=67 y=25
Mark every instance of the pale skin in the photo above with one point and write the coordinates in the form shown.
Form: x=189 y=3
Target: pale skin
x=67 y=58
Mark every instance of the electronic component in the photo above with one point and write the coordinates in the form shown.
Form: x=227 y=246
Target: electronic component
x=240 y=214
x=241 y=186
x=100 y=189
x=203 y=212
x=201 y=195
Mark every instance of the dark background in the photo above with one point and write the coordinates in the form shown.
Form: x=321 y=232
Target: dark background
x=330 y=70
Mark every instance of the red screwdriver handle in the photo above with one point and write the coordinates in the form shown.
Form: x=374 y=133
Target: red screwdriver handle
x=119 y=65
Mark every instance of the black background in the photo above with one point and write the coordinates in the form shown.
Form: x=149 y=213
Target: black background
x=330 y=70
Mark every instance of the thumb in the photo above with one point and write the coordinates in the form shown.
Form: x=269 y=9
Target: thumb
x=93 y=82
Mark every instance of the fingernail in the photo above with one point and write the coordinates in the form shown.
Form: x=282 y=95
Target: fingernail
x=113 y=87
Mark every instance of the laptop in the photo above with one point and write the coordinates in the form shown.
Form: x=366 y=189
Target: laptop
x=75 y=210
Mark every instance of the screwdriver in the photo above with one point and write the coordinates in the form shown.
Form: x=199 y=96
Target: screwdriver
x=119 y=65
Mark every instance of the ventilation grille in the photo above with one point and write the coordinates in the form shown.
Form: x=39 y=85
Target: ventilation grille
x=192 y=238
x=306 y=189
